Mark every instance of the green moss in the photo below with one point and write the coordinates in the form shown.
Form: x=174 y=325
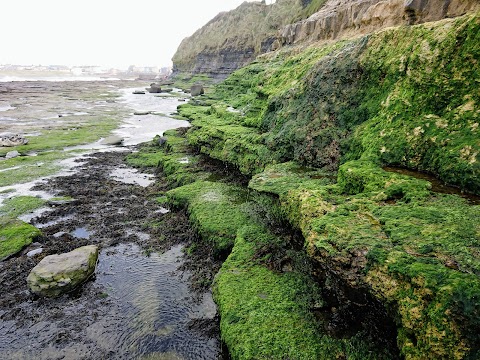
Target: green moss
x=15 y=235
x=177 y=163
x=20 y=205
x=214 y=209
x=406 y=97
x=265 y=314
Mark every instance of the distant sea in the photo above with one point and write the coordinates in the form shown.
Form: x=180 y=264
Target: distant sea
x=9 y=78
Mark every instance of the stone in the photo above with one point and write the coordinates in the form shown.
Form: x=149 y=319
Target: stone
x=12 y=154
x=196 y=90
x=167 y=90
x=154 y=89
x=34 y=252
x=139 y=92
x=161 y=140
x=112 y=140
x=58 y=274
x=141 y=112
x=8 y=140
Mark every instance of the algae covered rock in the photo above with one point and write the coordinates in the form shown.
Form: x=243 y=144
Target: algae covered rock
x=15 y=235
x=196 y=90
x=58 y=274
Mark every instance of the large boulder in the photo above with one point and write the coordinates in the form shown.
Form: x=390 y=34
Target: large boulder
x=58 y=274
x=196 y=90
x=154 y=89
x=8 y=140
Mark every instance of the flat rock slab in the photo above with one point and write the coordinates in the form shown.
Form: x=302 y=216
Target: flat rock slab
x=112 y=140
x=58 y=274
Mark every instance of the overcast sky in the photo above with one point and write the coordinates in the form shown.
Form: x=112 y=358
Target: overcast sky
x=100 y=32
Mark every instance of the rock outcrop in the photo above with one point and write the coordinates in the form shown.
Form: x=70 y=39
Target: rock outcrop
x=233 y=39
x=58 y=274
x=353 y=18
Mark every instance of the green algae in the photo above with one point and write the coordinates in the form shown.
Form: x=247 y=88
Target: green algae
x=19 y=205
x=213 y=211
x=15 y=235
x=173 y=158
x=405 y=97
x=417 y=251
x=265 y=313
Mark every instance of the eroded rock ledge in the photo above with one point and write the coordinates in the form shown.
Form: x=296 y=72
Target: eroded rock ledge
x=352 y=18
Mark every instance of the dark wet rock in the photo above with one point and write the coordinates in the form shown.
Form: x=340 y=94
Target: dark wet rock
x=8 y=140
x=154 y=89
x=112 y=140
x=12 y=154
x=196 y=90
x=58 y=274
x=181 y=100
x=161 y=140
x=139 y=92
x=142 y=113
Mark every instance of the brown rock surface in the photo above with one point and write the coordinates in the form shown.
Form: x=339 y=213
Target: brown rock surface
x=350 y=18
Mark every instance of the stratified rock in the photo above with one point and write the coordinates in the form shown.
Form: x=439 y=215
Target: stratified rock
x=112 y=140
x=12 y=154
x=139 y=92
x=58 y=274
x=8 y=140
x=196 y=90
x=338 y=19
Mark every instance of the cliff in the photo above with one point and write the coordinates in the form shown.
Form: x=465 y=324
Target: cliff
x=234 y=39
x=339 y=19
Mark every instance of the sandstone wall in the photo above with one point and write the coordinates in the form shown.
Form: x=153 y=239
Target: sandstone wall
x=349 y=18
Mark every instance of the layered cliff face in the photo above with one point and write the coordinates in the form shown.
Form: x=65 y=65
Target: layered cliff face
x=352 y=18
x=233 y=39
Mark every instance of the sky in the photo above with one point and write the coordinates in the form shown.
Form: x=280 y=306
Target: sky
x=109 y=33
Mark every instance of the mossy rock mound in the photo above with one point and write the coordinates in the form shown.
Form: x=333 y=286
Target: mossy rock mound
x=15 y=235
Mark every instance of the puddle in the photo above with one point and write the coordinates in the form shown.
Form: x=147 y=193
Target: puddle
x=132 y=176
x=81 y=233
x=437 y=185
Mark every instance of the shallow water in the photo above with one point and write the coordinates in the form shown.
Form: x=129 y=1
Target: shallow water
x=141 y=128
x=147 y=310
x=137 y=306
x=437 y=185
